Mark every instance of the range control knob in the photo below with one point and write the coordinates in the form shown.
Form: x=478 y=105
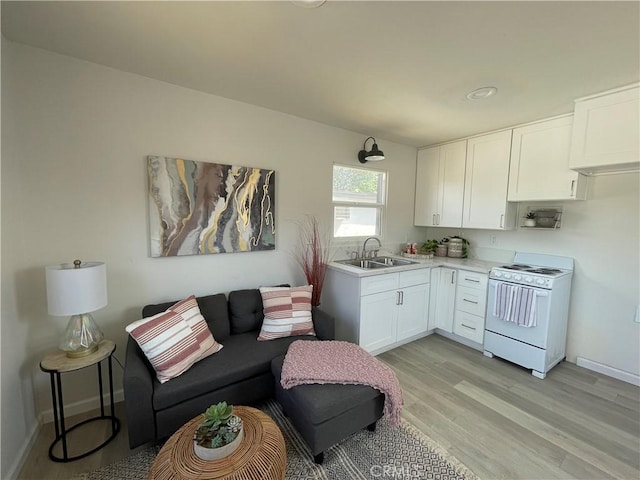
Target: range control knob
x=507 y=275
x=497 y=273
x=540 y=281
x=517 y=277
x=528 y=279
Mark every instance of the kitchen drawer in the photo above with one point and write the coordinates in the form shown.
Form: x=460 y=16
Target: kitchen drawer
x=472 y=279
x=414 y=277
x=471 y=300
x=469 y=326
x=378 y=283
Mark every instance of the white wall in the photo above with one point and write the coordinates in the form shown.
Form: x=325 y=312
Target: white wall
x=74 y=143
x=602 y=235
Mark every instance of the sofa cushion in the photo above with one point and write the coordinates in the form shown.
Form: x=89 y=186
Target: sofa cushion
x=168 y=342
x=287 y=312
x=241 y=358
x=322 y=402
x=213 y=308
x=246 y=310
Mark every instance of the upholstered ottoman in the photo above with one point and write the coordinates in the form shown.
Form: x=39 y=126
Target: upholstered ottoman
x=327 y=414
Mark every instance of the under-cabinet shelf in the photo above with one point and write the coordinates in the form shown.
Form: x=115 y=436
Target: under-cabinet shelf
x=546 y=218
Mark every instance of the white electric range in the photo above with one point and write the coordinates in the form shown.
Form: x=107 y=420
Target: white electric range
x=528 y=310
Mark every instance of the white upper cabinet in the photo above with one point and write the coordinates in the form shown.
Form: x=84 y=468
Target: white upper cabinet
x=540 y=163
x=440 y=185
x=606 y=132
x=486 y=180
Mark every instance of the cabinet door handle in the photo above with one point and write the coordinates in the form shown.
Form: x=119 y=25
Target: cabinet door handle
x=433 y=219
x=438 y=218
x=467 y=326
x=469 y=301
x=502 y=221
x=398 y=298
x=401 y=297
x=453 y=274
x=467 y=279
x=573 y=184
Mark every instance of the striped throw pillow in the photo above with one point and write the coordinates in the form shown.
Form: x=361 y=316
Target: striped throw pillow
x=190 y=311
x=168 y=342
x=174 y=340
x=287 y=312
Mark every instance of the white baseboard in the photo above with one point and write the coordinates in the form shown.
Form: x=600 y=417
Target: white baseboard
x=23 y=452
x=609 y=371
x=82 y=406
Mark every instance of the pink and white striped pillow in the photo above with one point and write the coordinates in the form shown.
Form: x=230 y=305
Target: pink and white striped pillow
x=287 y=312
x=190 y=311
x=174 y=340
x=168 y=342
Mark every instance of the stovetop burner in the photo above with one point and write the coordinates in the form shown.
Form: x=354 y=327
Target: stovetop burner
x=546 y=271
x=517 y=266
x=533 y=269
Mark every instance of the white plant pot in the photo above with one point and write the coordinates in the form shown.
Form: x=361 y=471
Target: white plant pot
x=208 y=454
x=529 y=222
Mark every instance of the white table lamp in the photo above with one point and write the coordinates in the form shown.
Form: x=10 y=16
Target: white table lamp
x=77 y=289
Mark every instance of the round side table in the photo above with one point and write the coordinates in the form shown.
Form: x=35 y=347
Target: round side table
x=261 y=455
x=58 y=363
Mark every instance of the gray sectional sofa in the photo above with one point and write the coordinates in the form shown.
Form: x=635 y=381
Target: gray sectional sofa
x=239 y=374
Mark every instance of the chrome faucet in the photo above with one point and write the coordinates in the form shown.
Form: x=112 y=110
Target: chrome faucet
x=364 y=246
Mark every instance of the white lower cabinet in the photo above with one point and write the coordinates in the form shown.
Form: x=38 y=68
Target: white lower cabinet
x=458 y=303
x=378 y=312
x=412 y=314
x=471 y=302
x=469 y=326
x=443 y=294
x=379 y=320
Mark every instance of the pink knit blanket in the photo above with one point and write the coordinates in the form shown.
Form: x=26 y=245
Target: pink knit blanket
x=341 y=362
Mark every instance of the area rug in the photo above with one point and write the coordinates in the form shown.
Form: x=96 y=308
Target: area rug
x=387 y=453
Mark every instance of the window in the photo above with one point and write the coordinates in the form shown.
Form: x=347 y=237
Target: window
x=359 y=197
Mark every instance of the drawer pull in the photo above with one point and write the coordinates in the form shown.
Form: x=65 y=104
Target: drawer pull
x=467 y=279
x=469 y=301
x=467 y=326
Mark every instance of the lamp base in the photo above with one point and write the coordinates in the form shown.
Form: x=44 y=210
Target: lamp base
x=81 y=337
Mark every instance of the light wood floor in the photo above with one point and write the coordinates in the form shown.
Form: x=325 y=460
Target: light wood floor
x=493 y=416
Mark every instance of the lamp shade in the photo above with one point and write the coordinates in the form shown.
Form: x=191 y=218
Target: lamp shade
x=375 y=155
x=73 y=291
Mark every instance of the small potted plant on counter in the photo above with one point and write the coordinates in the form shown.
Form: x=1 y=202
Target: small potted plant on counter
x=530 y=219
x=428 y=248
x=219 y=434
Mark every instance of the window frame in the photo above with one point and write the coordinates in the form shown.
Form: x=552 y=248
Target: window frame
x=379 y=206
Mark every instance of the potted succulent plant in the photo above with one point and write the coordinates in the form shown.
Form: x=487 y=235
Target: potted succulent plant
x=530 y=219
x=219 y=434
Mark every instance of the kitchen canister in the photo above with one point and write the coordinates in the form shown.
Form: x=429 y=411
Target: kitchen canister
x=455 y=247
x=441 y=250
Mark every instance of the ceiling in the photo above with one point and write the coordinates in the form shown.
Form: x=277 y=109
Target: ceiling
x=395 y=70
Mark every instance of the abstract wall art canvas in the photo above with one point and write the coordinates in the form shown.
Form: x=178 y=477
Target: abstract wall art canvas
x=198 y=208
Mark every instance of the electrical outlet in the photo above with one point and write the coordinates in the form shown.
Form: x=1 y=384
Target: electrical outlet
x=492 y=239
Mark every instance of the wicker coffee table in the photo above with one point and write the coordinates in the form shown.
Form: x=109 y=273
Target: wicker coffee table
x=261 y=455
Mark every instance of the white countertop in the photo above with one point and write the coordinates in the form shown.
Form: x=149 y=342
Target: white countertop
x=471 y=264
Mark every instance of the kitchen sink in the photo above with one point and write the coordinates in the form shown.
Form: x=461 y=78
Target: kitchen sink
x=392 y=262
x=377 y=262
x=368 y=264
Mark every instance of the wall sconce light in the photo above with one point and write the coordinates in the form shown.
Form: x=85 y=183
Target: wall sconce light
x=373 y=155
x=77 y=290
